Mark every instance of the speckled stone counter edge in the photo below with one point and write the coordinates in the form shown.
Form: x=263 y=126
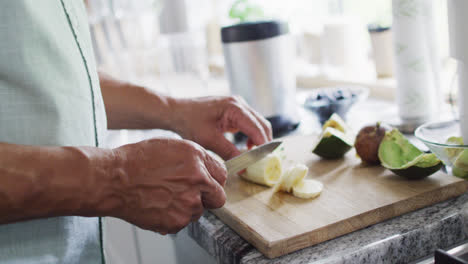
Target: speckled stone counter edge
x=399 y=240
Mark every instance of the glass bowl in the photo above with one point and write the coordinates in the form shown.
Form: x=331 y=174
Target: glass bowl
x=328 y=100
x=453 y=154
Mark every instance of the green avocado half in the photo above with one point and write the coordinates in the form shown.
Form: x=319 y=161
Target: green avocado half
x=404 y=159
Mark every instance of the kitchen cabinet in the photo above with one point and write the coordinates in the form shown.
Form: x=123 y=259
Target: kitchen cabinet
x=125 y=243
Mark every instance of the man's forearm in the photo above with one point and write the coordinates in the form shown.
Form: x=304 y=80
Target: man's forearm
x=134 y=107
x=38 y=182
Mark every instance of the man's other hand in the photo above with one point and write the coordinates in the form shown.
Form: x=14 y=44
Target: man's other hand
x=205 y=120
x=164 y=184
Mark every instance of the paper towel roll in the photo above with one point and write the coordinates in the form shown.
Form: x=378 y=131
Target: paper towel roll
x=458 y=42
x=458 y=29
x=463 y=99
x=416 y=59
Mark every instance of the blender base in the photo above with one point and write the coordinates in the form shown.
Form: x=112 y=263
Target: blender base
x=280 y=125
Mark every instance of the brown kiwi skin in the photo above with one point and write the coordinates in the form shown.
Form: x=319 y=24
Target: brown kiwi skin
x=368 y=141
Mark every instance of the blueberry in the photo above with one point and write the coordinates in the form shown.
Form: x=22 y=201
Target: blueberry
x=338 y=94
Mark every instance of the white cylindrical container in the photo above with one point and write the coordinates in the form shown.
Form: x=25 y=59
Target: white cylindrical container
x=259 y=60
x=416 y=60
x=382 y=47
x=173 y=18
x=344 y=47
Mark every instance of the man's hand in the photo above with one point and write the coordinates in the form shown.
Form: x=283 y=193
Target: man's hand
x=164 y=184
x=205 y=120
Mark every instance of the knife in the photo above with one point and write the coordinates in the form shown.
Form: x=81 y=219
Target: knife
x=248 y=158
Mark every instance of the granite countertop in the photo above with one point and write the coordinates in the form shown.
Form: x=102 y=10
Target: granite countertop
x=401 y=239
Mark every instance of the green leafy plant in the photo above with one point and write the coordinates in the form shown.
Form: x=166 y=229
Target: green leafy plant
x=244 y=10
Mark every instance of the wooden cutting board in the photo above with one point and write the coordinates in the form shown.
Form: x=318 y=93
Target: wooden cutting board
x=354 y=196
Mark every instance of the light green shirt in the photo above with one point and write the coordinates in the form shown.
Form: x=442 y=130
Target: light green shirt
x=49 y=95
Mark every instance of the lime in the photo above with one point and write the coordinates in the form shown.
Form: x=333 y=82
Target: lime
x=336 y=139
x=460 y=173
x=458 y=156
x=453 y=152
x=461 y=161
x=336 y=122
x=404 y=159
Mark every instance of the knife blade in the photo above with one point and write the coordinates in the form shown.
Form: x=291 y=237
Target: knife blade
x=248 y=158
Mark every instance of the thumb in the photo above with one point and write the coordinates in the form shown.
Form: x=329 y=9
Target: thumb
x=224 y=148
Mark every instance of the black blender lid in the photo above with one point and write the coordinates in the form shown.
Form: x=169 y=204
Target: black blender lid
x=250 y=31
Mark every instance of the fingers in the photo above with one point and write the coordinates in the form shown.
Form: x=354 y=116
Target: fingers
x=263 y=122
x=240 y=118
x=188 y=209
x=213 y=195
x=176 y=223
x=209 y=174
x=214 y=165
x=193 y=206
x=213 y=198
x=216 y=168
x=224 y=147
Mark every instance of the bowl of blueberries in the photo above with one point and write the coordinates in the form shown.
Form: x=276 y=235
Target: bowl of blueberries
x=328 y=100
